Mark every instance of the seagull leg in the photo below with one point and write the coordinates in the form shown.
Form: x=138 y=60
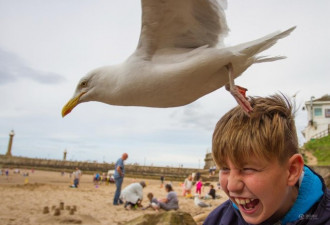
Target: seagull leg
x=237 y=91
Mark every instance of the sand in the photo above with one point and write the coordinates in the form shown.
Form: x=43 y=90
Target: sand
x=23 y=200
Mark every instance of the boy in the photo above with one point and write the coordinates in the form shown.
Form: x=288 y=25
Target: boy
x=261 y=170
x=211 y=193
x=153 y=202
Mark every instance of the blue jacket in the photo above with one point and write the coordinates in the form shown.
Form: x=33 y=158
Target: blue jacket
x=318 y=214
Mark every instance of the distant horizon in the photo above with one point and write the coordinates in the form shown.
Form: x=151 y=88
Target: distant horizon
x=97 y=162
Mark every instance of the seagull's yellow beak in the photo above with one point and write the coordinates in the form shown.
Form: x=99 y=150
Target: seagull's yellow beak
x=71 y=104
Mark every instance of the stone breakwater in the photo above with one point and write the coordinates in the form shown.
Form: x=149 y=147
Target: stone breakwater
x=170 y=173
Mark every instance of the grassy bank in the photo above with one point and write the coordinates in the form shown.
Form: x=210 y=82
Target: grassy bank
x=320 y=148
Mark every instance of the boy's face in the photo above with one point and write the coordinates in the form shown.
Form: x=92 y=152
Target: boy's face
x=259 y=189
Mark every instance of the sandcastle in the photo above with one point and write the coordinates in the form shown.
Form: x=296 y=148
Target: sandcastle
x=57 y=210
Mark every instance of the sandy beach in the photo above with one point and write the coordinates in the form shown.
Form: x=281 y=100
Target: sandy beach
x=24 y=198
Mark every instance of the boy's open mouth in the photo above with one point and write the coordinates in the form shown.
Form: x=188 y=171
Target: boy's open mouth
x=247 y=203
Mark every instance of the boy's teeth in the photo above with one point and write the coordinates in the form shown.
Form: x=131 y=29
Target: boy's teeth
x=240 y=201
x=243 y=201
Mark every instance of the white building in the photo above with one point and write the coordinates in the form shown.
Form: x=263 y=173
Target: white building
x=318 y=111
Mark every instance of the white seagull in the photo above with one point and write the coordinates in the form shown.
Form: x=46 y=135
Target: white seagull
x=179 y=58
x=200 y=203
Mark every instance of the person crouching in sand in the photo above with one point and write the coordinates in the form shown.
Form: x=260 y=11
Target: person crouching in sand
x=132 y=195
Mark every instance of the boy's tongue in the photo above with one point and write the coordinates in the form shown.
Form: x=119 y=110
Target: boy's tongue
x=252 y=204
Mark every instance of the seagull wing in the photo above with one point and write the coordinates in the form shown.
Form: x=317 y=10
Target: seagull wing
x=181 y=24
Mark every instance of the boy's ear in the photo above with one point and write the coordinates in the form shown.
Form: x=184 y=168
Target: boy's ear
x=295 y=168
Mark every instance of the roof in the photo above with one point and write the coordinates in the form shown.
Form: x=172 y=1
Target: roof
x=324 y=98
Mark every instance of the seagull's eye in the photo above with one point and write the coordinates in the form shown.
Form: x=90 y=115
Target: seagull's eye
x=83 y=84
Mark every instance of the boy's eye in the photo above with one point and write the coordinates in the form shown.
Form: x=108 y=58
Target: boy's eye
x=224 y=170
x=248 y=169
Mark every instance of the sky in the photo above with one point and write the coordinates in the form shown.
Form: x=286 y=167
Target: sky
x=47 y=46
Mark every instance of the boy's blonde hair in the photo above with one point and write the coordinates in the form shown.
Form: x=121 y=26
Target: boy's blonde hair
x=268 y=133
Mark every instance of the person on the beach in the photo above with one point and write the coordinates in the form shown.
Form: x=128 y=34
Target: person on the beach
x=7 y=173
x=199 y=186
x=171 y=201
x=197 y=176
x=211 y=193
x=132 y=195
x=187 y=186
x=96 y=179
x=261 y=170
x=119 y=178
x=210 y=171
x=76 y=177
x=214 y=168
x=153 y=202
x=162 y=178
x=104 y=178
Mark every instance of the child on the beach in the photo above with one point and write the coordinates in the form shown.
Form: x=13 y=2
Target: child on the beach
x=261 y=170
x=211 y=193
x=199 y=186
x=153 y=202
x=187 y=186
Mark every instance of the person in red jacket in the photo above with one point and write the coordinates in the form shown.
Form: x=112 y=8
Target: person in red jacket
x=261 y=170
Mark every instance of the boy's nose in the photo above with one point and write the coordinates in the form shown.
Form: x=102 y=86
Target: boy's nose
x=235 y=184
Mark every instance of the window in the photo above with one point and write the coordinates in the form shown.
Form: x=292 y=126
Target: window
x=327 y=113
x=317 y=111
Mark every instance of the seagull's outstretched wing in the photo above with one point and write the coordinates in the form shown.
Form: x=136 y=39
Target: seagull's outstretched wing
x=181 y=24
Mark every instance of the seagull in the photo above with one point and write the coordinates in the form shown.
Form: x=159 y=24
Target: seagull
x=200 y=203
x=180 y=57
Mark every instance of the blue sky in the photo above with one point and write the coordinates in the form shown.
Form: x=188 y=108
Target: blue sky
x=46 y=46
